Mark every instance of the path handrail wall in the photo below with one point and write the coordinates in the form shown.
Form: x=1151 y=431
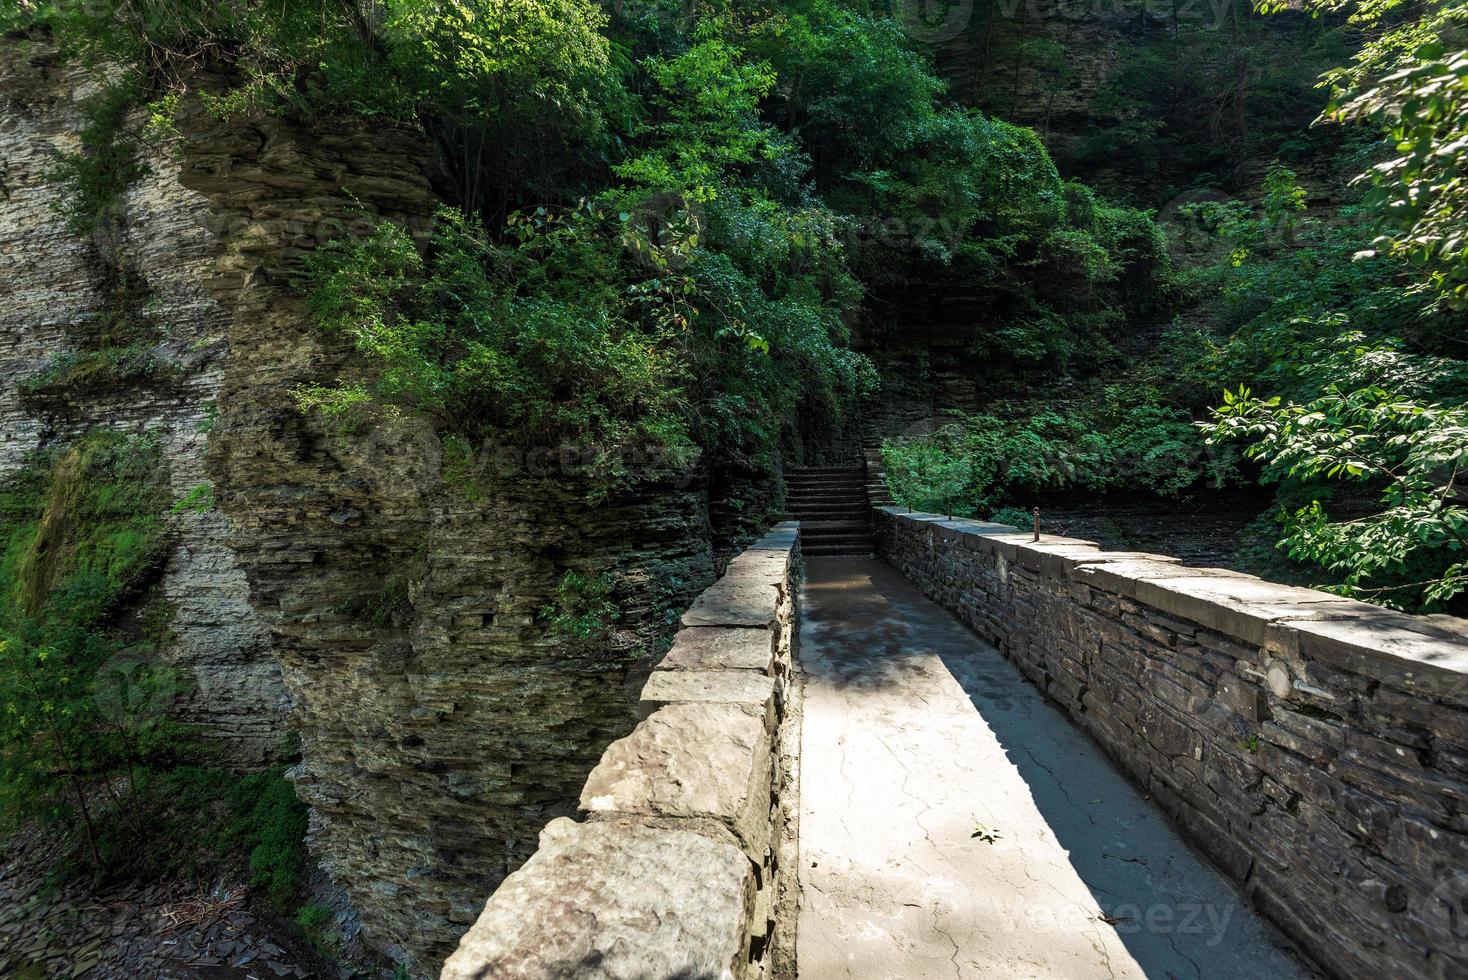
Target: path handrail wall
x=1315 y=747
x=675 y=869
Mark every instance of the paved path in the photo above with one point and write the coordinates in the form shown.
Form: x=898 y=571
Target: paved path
x=953 y=824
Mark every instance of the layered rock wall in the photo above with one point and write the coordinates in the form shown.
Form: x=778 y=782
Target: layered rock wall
x=1315 y=747
x=387 y=609
x=678 y=868
x=441 y=721
x=144 y=263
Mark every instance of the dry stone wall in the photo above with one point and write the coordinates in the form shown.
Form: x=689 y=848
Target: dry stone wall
x=1316 y=748
x=677 y=866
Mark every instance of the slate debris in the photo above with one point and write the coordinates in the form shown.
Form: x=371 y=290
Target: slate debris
x=126 y=932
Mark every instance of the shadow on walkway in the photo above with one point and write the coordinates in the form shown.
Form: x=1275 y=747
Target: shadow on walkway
x=1022 y=818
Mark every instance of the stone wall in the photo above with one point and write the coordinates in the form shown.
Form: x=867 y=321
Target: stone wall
x=1314 y=747
x=678 y=866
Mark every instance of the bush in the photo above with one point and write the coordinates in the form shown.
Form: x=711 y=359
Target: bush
x=1124 y=440
x=1014 y=517
x=583 y=608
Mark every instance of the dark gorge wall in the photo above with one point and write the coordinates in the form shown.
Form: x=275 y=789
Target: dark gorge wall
x=348 y=587
x=440 y=723
x=65 y=298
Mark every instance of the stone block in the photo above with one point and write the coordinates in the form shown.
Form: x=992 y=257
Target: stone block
x=1056 y=558
x=708 y=687
x=1238 y=605
x=1122 y=577
x=1243 y=699
x=735 y=601
x=721 y=648
x=1011 y=546
x=1420 y=654
x=706 y=764
x=614 y=901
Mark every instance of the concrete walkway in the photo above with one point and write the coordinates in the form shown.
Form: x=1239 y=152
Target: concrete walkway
x=954 y=824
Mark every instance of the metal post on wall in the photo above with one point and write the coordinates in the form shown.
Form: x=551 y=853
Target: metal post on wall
x=1037 y=524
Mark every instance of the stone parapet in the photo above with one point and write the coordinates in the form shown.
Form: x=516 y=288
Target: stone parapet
x=1315 y=747
x=675 y=867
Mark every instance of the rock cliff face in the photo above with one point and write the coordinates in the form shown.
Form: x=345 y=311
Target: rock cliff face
x=440 y=725
x=397 y=614
x=58 y=293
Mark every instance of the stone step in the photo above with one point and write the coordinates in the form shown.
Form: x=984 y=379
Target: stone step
x=856 y=542
x=835 y=534
x=826 y=527
x=836 y=551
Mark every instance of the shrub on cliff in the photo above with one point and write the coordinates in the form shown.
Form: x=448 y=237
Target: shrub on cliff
x=85 y=735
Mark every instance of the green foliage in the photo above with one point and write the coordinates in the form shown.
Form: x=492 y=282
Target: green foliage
x=106 y=163
x=1188 y=106
x=271 y=822
x=318 y=924
x=706 y=119
x=80 y=533
x=1014 y=517
x=312 y=916
x=1284 y=199
x=90 y=370
x=583 y=608
x=489 y=341
x=84 y=734
x=199 y=500
x=1412 y=552
x=475 y=73
x=1357 y=420
x=933 y=192
x=390 y=605
x=1125 y=440
x=1410 y=81
x=483 y=74
x=193 y=821
x=699 y=296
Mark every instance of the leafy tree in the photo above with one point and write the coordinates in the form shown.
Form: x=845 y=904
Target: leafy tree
x=1412 y=552
x=1410 y=80
x=482 y=74
x=1127 y=439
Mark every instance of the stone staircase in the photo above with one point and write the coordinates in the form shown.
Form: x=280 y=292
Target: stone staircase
x=832 y=507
